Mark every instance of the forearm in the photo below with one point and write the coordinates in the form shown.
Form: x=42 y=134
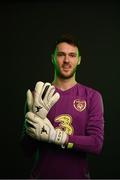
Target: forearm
x=92 y=144
x=92 y=140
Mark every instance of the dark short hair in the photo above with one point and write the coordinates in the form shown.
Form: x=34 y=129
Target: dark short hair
x=68 y=38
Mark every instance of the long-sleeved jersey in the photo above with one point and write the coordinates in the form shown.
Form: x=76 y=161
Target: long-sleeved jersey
x=78 y=112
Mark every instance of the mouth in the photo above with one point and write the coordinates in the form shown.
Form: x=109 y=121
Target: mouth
x=66 y=67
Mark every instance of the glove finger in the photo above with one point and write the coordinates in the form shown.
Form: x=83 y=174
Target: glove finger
x=30 y=132
x=29 y=100
x=30 y=129
x=49 y=93
x=44 y=90
x=28 y=124
x=32 y=117
x=44 y=94
x=54 y=99
x=39 y=86
x=38 y=90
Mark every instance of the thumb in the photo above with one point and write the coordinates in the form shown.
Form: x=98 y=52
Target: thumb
x=29 y=99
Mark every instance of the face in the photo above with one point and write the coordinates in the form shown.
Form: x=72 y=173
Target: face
x=66 y=59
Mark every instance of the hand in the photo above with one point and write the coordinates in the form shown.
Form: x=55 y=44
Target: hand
x=44 y=98
x=43 y=130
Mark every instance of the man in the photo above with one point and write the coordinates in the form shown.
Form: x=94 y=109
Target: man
x=64 y=120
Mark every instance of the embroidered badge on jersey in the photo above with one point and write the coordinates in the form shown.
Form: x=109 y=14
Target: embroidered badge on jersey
x=65 y=121
x=79 y=105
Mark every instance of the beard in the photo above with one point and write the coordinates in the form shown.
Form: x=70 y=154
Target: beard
x=63 y=75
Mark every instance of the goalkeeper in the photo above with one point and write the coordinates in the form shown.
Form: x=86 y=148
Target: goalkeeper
x=63 y=120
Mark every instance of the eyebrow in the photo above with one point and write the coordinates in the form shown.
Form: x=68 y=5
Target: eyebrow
x=62 y=52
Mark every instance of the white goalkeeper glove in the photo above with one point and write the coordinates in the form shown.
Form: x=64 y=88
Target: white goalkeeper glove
x=43 y=130
x=44 y=98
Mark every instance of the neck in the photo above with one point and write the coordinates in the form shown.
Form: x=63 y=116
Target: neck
x=64 y=84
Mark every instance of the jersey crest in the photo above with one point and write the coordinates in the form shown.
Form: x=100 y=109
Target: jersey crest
x=79 y=105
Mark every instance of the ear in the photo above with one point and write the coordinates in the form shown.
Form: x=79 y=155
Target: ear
x=52 y=58
x=79 y=60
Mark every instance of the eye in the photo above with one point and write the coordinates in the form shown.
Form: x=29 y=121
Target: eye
x=72 y=55
x=60 y=54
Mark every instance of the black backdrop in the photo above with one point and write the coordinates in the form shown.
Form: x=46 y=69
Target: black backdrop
x=27 y=32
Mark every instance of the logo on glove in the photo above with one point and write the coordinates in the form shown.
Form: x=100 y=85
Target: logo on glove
x=43 y=130
x=38 y=108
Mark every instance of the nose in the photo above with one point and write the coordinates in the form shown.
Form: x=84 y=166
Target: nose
x=66 y=58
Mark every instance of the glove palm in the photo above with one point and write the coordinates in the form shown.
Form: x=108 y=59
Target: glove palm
x=43 y=130
x=43 y=99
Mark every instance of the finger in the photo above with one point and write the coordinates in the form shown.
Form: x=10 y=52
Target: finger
x=30 y=129
x=30 y=132
x=29 y=100
x=38 y=90
x=44 y=90
x=54 y=99
x=32 y=117
x=49 y=93
x=29 y=123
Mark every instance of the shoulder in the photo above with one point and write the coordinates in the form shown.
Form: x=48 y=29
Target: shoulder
x=92 y=96
x=88 y=91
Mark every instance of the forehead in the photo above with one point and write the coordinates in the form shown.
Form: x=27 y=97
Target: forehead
x=65 y=47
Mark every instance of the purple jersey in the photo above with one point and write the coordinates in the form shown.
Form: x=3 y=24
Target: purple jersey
x=78 y=112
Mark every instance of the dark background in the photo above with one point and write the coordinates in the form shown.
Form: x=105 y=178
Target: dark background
x=27 y=33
